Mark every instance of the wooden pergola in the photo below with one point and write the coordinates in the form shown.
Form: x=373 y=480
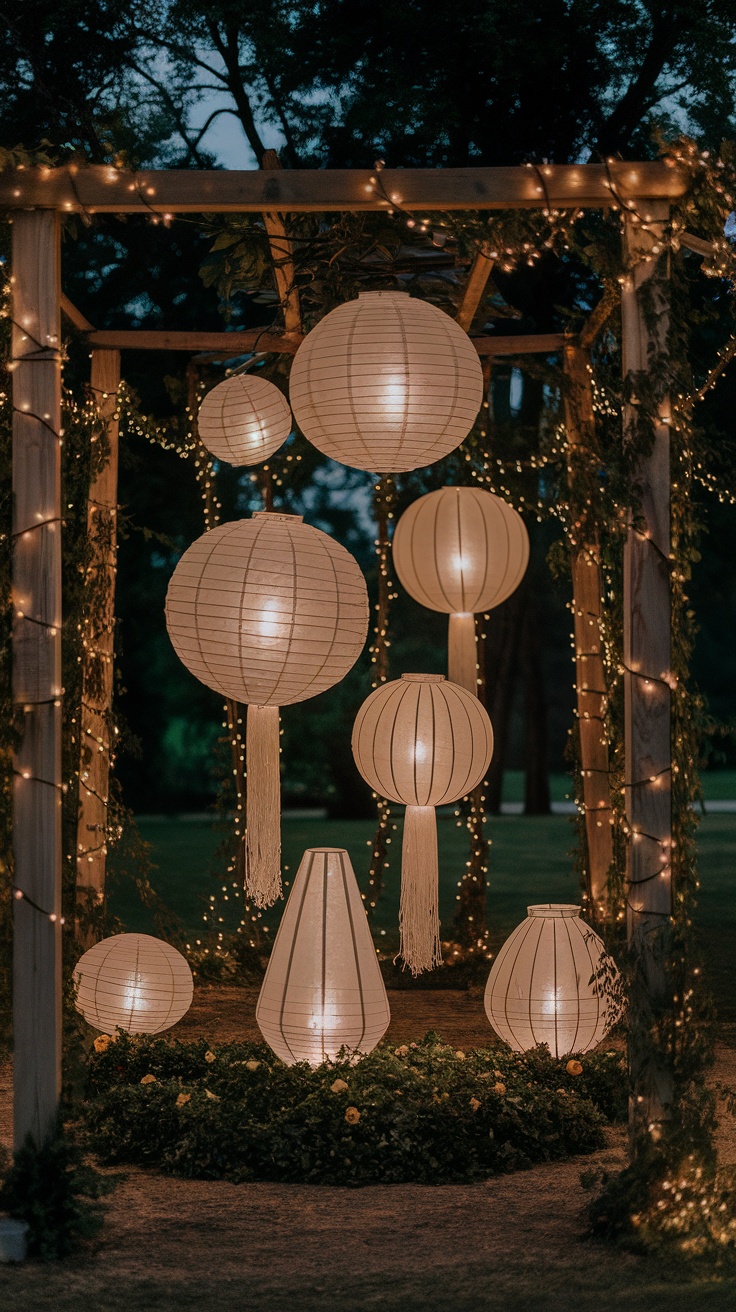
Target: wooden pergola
x=36 y=200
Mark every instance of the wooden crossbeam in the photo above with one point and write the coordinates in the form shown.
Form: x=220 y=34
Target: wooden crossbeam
x=224 y=344
x=475 y=286
x=99 y=188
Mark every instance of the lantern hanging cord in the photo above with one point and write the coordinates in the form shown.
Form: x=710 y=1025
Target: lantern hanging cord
x=20 y=896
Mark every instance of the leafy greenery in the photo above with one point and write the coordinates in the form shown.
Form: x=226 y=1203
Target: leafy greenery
x=56 y=1191
x=419 y=1112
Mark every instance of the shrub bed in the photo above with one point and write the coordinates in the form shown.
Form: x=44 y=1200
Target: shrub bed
x=419 y=1112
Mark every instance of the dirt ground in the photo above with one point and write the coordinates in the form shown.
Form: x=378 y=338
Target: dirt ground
x=511 y=1243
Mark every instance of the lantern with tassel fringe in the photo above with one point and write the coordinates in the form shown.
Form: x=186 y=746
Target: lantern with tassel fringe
x=266 y=611
x=244 y=419
x=387 y=383
x=461 y=550
x=553 y=982
x=425 y=742
x=323 y=989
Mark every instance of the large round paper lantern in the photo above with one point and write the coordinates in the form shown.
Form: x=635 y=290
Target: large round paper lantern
x=461 y=550
x=550 y=983
x=244 y=419
x=133 y=982
x=386 y=383
x=323 y=989
x=266 y=611
x=424 y=742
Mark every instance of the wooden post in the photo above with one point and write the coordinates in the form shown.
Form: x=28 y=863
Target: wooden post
x=587 y=592
x=644 y=311
x=98 y=653
x=37 y=687
x=475 y=285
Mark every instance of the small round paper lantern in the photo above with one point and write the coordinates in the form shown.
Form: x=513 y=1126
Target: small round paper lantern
x=461 y=550
x=542 y=989
x=425 y=742
x=133 y=982
x=323 y=988
x=244 y=419
x=267 y=611
x=386 y=383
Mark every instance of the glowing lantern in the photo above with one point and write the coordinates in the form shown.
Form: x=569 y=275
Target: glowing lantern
x=244 y=419
x=424 y=742
x=551 y=983
x=323 y=988
x=461 y=550
x=267 y=611
x=386 y=383
x=133 y=982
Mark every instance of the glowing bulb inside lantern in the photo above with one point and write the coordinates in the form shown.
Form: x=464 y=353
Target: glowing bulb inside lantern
x=270 y=623
x=394 y=396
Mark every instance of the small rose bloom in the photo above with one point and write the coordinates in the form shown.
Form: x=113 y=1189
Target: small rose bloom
x=213 y=1096
x=352 y=1115
x=403 y=1051
x=102 y=1042
x=183 y=1099
x=474 y=1103
x=460 y=1055
x=339 y=1086
x=148 y=1079
x=252 y=1065
x=500 y=1089
x=210 y=1057
x=574 y=1067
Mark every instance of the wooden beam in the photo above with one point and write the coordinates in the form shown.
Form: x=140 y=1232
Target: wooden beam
x=597 y=319
x=99 y=188
x=97 y=659
x=37 y=672
x=526 y=344
x=587 y=592
x=225 y=344
x=75 y=316
x=647 y=694
x=475 y=286
x=282 y=254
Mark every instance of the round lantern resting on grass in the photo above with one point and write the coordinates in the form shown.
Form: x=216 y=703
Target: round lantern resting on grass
x=552 y=982
x=460 y=550
x=244 y=420
x=133 y=982
x=386 y=383
x=267 y=611
x=425 y=742
x=323 y=989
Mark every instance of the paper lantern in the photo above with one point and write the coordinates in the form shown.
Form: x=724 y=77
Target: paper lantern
x=386 y=383
x=266 y=611
x=461 y=550
x=244 y=419
x=424 y=742
x=323 y=989
x=542 y=989
x=133 y=982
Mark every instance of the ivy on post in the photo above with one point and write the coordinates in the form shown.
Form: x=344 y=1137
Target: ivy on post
x=384 y=501
x=647 y=669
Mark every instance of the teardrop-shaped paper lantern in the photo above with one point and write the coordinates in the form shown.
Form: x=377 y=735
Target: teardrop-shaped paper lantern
x=323 y=989
x=266 y=611
x=547 y=984
x=461 y=550
x=133 y=982
x=424 y=742
x=386 y=383
x=244 y=419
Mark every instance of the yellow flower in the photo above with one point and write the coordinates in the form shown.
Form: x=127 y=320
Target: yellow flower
x=148 y=1079
x=574 y=1067
x=102 y=1042
x=460 y=1055
x=213 y=1096
x=352 y=1115
x=183 y=1099
x=210 y=1056
x=474 y=1103
x=402 y=1051
x=338 y=1087
x=252 y=1065
x=500 y=1089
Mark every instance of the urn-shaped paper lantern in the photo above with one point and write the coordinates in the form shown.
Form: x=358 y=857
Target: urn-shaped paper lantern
x=133 y=982
x=551 y=983
x=461 y=550
x=424 y=742
x=266 y=611
x=244 y=419
x=323 y=989
x=386 y=383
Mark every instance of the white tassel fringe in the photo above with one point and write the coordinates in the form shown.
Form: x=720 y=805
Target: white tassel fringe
x=262 y=806
x=419 y=920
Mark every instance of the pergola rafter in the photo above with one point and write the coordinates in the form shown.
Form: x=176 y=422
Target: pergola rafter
x=35 y=198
